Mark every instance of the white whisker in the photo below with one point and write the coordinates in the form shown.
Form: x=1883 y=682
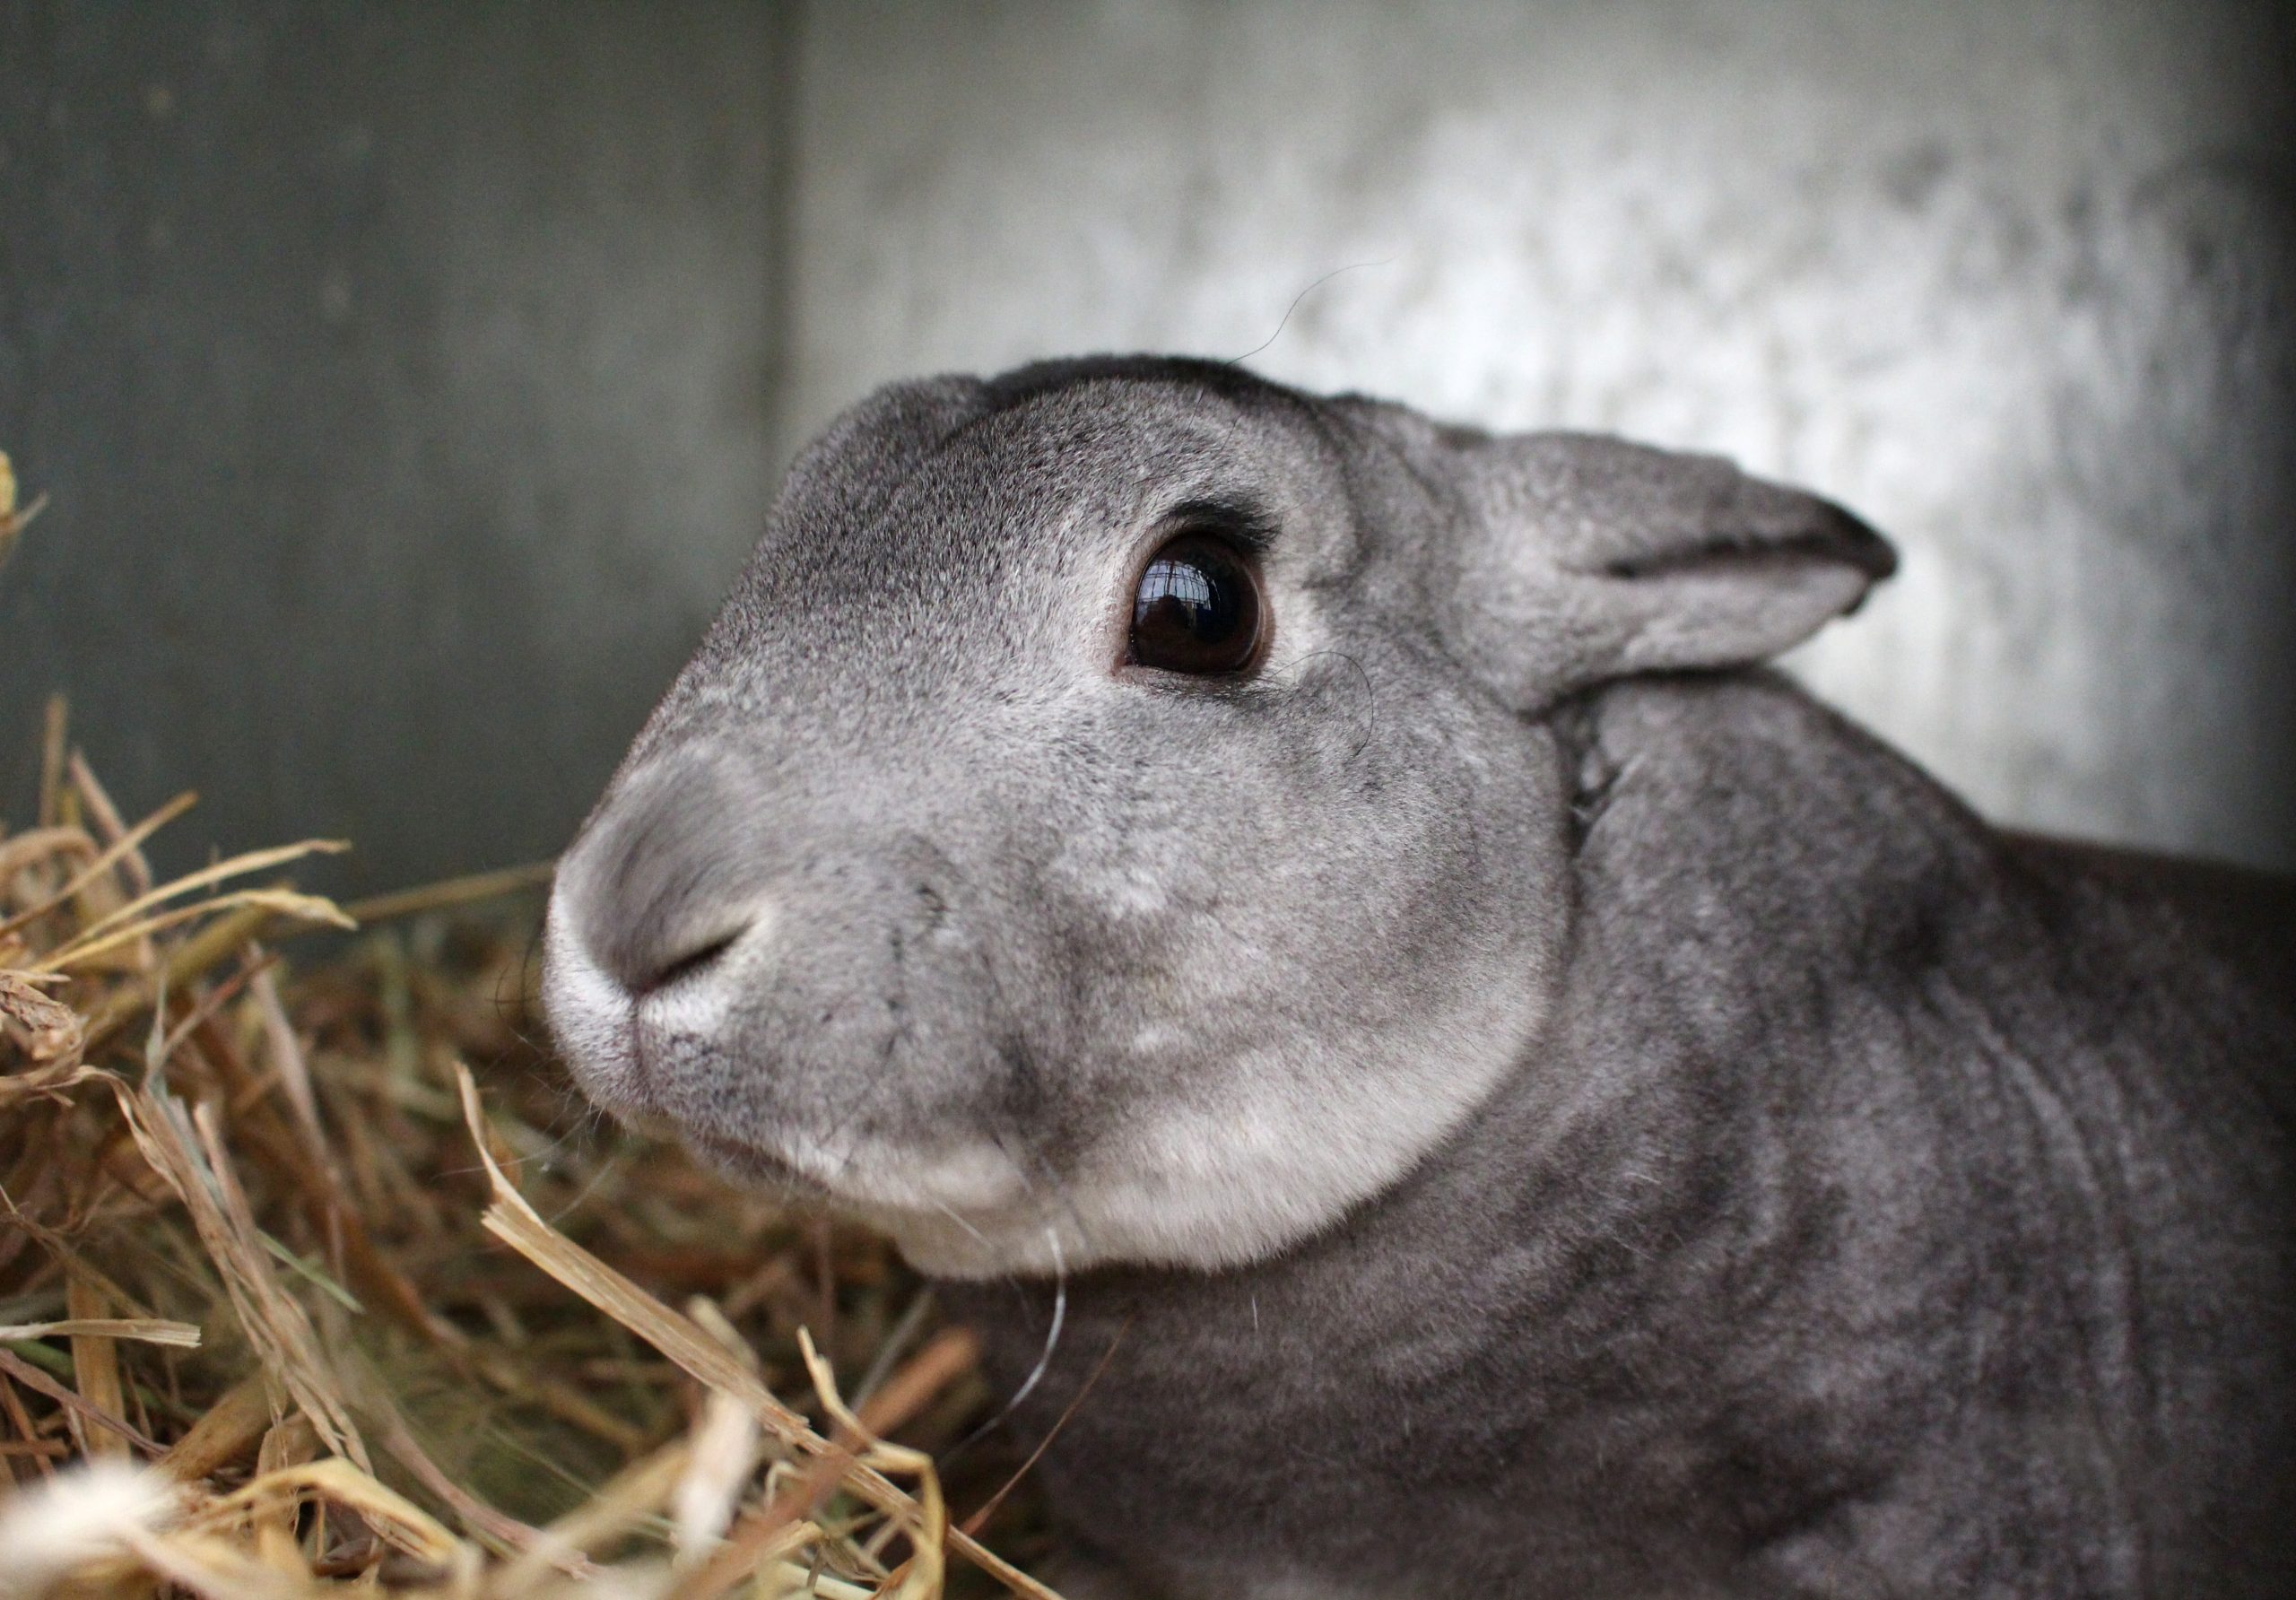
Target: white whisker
x=1052 y=1335
x=1044 y=1361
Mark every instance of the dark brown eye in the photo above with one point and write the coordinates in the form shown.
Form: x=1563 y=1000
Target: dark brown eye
x=1197 y=609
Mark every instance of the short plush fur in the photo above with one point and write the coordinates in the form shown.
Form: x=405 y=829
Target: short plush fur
x=1523 y=1101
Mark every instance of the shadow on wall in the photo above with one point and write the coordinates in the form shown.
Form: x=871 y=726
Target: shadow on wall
x=401 y=378
x=409 y=381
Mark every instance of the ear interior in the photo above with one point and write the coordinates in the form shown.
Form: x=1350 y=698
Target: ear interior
x=1745 y=592
x=1725 y=610
x=1832 y=537
x=1590 y=558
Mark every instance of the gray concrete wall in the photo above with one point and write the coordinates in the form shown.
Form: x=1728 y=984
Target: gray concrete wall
x=402 y=379
x=408 y=380
x=2013 y=277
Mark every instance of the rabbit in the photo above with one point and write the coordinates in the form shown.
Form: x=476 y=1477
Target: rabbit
x=1432 y=1069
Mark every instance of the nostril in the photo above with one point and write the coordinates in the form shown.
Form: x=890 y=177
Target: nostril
x=692 y=963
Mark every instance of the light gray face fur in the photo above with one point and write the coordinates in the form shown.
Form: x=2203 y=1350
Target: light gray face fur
x=912 y=895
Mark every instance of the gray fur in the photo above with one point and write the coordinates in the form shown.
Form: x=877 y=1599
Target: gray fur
x=1537 y=1105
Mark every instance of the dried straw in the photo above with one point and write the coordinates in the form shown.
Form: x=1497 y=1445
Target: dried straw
x=319 y=1277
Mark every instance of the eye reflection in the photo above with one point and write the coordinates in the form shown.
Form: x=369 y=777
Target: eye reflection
x=1169 y=580
x=1197 y=609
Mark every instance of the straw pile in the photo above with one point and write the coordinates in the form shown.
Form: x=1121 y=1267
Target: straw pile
x=316 y=1276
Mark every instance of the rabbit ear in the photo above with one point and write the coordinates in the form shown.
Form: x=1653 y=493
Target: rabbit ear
x=1581 y=558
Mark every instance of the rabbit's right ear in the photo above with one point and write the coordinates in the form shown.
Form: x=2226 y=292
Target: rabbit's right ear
x=1576 y=558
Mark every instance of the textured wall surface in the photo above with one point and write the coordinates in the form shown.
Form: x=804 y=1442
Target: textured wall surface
x=408 y=380
x=2013 y=278
x=401 y=378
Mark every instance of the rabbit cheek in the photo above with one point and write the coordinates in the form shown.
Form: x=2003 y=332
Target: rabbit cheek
x=1298 y=967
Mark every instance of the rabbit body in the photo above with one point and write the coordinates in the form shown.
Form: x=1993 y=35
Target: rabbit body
x=1517 y=1098
x=1891 y=1208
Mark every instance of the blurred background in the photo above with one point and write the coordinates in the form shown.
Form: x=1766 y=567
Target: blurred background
x=408 y=380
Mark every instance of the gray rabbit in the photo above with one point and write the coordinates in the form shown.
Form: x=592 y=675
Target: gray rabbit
x=1512 y=1097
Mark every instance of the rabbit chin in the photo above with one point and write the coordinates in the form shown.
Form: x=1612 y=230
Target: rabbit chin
x=1219 y=1185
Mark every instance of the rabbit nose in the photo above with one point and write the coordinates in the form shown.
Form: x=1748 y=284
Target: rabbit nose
x=667 y=880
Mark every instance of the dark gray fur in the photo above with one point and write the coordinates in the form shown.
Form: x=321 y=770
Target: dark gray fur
x=1853 y=1199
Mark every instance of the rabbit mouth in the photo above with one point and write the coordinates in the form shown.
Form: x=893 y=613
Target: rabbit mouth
x=749 y=1163
x=872 y=1177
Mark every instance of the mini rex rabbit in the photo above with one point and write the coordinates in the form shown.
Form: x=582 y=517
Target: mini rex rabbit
x=1535 y=1105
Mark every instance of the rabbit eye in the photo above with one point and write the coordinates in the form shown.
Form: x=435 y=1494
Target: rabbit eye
x=1197 y=609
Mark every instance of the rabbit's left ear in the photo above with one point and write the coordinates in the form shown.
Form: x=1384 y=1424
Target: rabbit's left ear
x=1579 y=558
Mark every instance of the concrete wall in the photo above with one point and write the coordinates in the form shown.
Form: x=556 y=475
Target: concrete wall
x=408 y=380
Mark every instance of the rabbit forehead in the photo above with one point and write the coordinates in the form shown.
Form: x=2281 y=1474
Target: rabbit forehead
x=1065 y=477
x=1001 y=560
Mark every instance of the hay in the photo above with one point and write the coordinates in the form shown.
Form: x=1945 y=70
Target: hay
x=13 y=518
x=318 y=1275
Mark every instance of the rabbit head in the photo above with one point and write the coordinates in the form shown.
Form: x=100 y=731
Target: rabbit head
x=1115 y=816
